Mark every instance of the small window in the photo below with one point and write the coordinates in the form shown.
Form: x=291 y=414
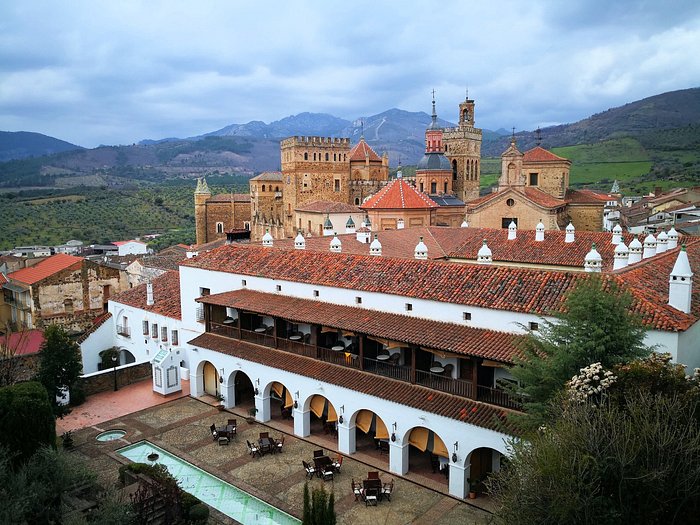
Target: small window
x=467 y=316
x=510 y=203
x=533 y=179
x=204 y=291
x=316 y=294
x=154 y=331
x=174 y=337
x=336 y=185
x=409 y=307
x=306 y=156
x=68 y=306
x=164 y=333
x=244 y=282
x=534 y=326
x=219 y=227
x=327 y=157
x=358 y=300
x=145 y=328
x=278 y=287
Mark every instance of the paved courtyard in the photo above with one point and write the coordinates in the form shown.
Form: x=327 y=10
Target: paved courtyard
x=181 y=426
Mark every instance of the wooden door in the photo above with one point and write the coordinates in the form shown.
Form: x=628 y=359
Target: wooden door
x=211 y=380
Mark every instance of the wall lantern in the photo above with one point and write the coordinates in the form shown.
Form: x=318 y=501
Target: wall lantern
x=342 y=410
x=257 y=383
x=221 y=375
x=393 y=433
x=454 y=454
x=296 y=401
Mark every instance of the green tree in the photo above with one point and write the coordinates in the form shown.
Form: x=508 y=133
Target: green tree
x=26 y=420
x=60 y=364
x=306 y=516
x=596 y=326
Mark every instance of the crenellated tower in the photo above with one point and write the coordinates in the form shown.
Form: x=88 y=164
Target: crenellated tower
x=463 y=148
x=201 y=194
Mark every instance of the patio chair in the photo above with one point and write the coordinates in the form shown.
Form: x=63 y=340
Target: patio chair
x=434 y=463
x=395 y=358
x=286 y=412
x=327 y=474
x=337 y=463
x=223 y=440
x=357 y=490
x=307 y=338
x=371 y=497
x=231 y=427
x=448 y=370
x=214 y=434
x=387 y=489
x=318 y=453
x=253 y=450
x=373 y=474
x=310 y=471
x=264 y=435
x=383 y=446
x=279 y=444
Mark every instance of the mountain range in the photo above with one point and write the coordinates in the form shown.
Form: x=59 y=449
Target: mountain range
x=254 y=146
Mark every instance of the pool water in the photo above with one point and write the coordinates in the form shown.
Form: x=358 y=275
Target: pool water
x=111 y=435
x=223 y=496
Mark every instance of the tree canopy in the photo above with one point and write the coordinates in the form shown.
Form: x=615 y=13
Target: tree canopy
x=596 y=326
x=60 y=364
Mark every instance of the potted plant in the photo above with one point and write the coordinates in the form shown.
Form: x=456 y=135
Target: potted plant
x=220 y=399
x=251 y=414
x=473 y=487
x=67 y=439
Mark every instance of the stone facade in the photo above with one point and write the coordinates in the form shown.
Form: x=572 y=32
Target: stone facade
x=266 y=205
x=463 y=149
x=214 y=216
x=586 y=216
x=512 y=205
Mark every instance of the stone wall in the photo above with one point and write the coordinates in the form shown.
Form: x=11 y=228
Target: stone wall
x=126 y=375
x=553 y=177
x=586 y=216
x=526 y=213
x=221 y=212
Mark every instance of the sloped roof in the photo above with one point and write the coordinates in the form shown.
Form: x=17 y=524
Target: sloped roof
x=328 y=207
x=273 y=176
x=397 y=195
x=416 y=396
x=45 y=268
x=587 y=197
x=166 y=295
x=539 y=154
x=24 y=343
x=361 y=150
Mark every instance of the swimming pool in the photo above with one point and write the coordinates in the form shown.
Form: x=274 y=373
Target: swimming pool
x=223 y=496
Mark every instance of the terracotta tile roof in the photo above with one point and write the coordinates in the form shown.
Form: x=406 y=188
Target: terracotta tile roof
x=484 y=198
x=96 y=323
x=415 y=396
x=553 y=251
x=361 y=150
x=587 y=197
x=46 y=268
x=543 y=199
x=274 y=176
x=328 y=207
x=163 y=262
x=24 y=343
x=166 y=294
x=488 y=286
x=539 y=154
x=226 y=197
x=398 y=194
x=3 y=279
x=450 y=337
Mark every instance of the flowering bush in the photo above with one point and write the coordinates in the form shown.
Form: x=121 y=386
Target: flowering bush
x=590 y=384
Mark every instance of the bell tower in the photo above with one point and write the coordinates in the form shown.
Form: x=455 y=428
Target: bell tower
x=463 y=148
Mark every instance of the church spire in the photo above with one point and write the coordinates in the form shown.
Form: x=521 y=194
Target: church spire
x=434 y=124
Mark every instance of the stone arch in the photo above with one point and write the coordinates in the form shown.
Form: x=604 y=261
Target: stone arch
x=372 y=433
x=125 y=356
x=281 y=400
x=324 y=414
x=239 y=390
x=428 y=453
x=454 y=169
x=482 y=461
x=209 y=378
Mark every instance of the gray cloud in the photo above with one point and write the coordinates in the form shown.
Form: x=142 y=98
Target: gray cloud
x=117 y=72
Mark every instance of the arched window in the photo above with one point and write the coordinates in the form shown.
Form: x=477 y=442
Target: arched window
x=357 y=201
x=219 y=227
x=433 y=187
x=306 y=156
x=263 y=187
x=327 y=156
x=334 y=157
x=454 y=170
x=445 y=190
x=314 y=156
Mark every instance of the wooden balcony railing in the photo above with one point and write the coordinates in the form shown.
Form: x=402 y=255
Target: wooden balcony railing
x=458 y=387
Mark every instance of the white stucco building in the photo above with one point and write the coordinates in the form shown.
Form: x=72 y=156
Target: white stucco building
x=408 y=353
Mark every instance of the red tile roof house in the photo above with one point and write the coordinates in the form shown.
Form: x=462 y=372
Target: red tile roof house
x=61 y=289
x=421 y=344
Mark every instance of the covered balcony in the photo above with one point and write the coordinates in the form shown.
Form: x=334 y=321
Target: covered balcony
x=447 y=357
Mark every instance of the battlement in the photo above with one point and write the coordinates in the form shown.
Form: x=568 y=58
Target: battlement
x=315 y=142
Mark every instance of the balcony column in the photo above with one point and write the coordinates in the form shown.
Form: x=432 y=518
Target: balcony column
x=302 y=422
x=414 y=351
x=228 y=390
x=361 y=351
x=238 y=323
x=398 y=457
x=274 y=330
x=262 y=403
x=475 y=378
x=207 y=317
x=196 y=382
x=458 y=485
x=346 y=437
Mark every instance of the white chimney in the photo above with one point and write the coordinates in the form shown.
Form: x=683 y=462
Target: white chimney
x=672 y=238
x=570 y=233
x=464 y=224
x=593 y=262
x=661 y=242
x=191 y=252
x=635 y=251
x=267 y=239
x=680 y=289
x=421 y=251
x=617 y=234
x=512 y=231
x=149 y=294
x=539 y=231
x=363 y=235
x=376 y=247
x=350 y=225
x=399 y=224
x=649 y=247
x=484 y=256
x=327 y=227
x=336 y=245
x=622 y=255
x=299 y=242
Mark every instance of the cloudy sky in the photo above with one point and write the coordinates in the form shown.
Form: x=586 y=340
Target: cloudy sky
x=98 y=72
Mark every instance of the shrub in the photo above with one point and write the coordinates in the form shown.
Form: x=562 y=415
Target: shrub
x=199 y=513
